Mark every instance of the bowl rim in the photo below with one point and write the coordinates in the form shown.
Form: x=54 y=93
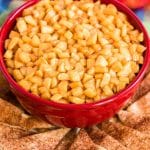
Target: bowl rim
x=101 y=102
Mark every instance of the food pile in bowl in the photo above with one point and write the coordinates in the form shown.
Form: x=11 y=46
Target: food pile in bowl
x=73 y=51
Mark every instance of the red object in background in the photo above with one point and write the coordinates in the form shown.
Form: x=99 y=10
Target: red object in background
x=72 y=115
x=133 y=4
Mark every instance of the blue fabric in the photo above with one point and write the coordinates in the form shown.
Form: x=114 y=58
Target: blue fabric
x=4 y=4
x=140 y=13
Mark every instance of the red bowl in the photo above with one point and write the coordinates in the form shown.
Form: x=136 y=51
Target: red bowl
x=72 y=115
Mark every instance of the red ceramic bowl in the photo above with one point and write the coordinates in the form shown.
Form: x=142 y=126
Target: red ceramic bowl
x=72 y=115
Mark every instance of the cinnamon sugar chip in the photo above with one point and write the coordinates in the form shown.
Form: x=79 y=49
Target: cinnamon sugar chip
x=66 y=142
x=132 y=139
x=101 y=138
x=84 y=142
x=14 y=116
x=142 y=106
x=138 y=122
x=11 y=132
x=143 y=88
x=42 y=141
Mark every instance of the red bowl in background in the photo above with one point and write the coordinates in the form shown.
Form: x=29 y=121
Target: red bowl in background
x=134 y=4
x=73 y=115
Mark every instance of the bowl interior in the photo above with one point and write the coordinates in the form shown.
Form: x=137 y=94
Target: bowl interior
x=9 y=24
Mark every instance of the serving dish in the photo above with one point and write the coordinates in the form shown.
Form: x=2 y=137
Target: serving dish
x=73 y=115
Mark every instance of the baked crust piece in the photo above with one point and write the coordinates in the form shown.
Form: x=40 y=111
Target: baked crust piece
x=138 y=122
x=103 y=139
x=132 y=139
